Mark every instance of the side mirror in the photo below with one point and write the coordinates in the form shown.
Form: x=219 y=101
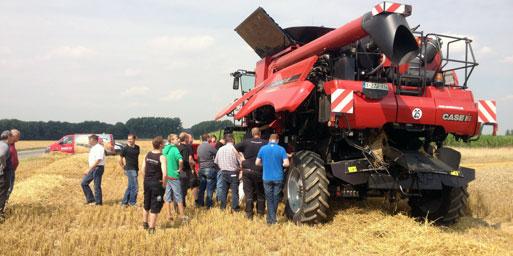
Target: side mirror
x=236 y=82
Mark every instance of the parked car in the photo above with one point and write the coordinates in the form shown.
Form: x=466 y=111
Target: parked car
x=79 y=143
x=118 y=146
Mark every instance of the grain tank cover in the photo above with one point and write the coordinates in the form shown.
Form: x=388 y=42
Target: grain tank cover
x=263 y=34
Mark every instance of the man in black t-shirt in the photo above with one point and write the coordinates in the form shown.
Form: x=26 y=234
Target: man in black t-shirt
x=187 y=155
x=252 y=174
x=129 y=161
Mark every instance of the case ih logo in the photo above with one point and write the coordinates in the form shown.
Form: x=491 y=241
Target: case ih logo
x=456 y=117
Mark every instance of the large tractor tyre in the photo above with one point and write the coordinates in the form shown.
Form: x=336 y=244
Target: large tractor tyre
x=306 y=189
x=444 y=206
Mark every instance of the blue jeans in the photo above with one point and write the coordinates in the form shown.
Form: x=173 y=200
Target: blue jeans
x=130 y=196
x=218 y=184
x=272 y=196
x=96 y=175
x=174 y=191
x=229 y=180
x=208 y=179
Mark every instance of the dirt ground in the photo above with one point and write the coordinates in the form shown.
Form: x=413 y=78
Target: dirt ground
x=47 y=216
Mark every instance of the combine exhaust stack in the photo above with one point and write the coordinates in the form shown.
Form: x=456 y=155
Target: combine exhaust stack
x=390 y=32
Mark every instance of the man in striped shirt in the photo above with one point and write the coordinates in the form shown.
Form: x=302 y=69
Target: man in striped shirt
x=228 y=160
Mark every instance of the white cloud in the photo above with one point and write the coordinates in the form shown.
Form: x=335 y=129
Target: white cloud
x=485 y=50
x=4 y=50
x=136 y=91
x=174 y=95
x=71 y=52
x=181 y=43
x=508 y=97
x=507 y=59
x=129 y=72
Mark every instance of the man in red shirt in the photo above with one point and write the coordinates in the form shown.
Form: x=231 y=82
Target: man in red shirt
x=14 y=159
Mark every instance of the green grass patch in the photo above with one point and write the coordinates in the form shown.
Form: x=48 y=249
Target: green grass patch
x=488 y=141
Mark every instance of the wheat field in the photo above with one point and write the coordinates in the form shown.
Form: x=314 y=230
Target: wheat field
x=46 y=216
x=33 y=144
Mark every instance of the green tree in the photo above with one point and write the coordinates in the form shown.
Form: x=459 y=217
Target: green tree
x=209 y=126
x=149 y=127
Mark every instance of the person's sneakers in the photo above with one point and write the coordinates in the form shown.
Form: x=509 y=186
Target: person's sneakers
x=145 y=225
x=151 y=231
x=89 y=203
x=249 y=216
x=124 y=205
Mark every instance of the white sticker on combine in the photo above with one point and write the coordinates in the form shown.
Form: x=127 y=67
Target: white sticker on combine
x=416 y=113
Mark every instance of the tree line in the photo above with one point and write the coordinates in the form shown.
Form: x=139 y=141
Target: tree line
x=143 y=127
x=509 y=132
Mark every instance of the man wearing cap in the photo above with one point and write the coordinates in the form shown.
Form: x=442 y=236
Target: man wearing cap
x=94 y=172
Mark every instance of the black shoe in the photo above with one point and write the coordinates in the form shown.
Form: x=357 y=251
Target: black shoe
x=249 y=216
x=145 y=225
x=151 y=231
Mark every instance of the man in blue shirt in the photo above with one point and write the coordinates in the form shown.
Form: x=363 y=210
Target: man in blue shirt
x=273 y=158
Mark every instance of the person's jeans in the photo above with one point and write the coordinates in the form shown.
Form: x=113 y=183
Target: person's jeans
x=253 y=189
x=272 y=196
x=96 y=175
x=229 y=180
x=184 y=184
x=208 y=179
x=173 y=192
x=218 y=184
x=4 y=187
x=130 y=196
x=12 y=177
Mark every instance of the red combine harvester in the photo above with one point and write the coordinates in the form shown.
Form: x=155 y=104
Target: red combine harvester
x=365 y=108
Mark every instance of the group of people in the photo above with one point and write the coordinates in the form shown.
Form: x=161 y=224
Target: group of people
x=8 y=164
x=169 y=173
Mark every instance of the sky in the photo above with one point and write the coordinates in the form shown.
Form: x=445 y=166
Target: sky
x=112 y=60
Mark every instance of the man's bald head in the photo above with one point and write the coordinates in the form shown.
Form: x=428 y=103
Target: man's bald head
x=255 y=132
x=16 y=135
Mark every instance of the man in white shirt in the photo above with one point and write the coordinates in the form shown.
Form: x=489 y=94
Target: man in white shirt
x=94 y=172
x=228 y=160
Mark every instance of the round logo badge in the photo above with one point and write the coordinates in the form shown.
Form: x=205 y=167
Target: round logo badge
x=416 y=113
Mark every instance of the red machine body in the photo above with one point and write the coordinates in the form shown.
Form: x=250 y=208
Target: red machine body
x=438 y=106
x=281 y=81
x=364 y=109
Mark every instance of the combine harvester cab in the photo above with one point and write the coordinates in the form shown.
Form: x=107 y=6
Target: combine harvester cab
x=365 y=108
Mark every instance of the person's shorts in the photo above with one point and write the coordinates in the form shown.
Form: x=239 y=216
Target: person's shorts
x=173 y=192
x=153 y=197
